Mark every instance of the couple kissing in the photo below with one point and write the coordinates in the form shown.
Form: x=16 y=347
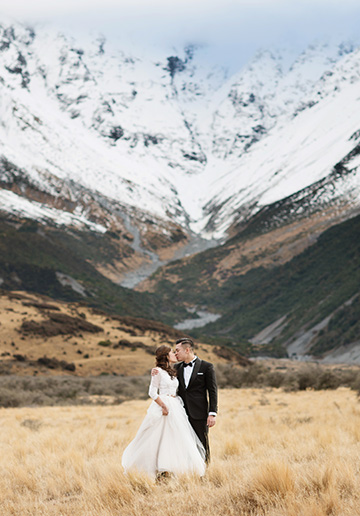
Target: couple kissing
x=174 y=435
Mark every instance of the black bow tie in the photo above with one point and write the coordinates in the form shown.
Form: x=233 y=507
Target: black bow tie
x=190 y=364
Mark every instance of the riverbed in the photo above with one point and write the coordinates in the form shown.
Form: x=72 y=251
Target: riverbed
x=195 y=245
x=203 y=317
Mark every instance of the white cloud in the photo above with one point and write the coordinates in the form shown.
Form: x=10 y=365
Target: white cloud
x=47 y=8
x=171 y=9
x=234 y=28
x=36 y=9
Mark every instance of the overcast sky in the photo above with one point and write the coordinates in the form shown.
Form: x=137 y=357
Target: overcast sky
x=233 y=29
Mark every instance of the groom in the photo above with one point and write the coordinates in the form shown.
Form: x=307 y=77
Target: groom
x=198 y=390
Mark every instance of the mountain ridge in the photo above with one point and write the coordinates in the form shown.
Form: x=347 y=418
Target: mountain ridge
x=175 y=118
x=128 y=165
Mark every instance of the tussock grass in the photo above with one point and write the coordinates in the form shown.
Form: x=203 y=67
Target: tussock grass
x=295 y=455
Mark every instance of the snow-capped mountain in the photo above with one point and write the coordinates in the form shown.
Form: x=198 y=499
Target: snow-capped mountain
x=309 y=133
x=99 y=132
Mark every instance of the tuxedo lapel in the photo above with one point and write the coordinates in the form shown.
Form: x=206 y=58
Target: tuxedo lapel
x=195 y=370
x=180 y=375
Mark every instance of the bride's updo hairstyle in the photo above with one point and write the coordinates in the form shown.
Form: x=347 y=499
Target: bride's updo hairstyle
x=162 y=360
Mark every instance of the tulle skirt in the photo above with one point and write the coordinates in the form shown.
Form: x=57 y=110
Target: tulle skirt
x=165 y=443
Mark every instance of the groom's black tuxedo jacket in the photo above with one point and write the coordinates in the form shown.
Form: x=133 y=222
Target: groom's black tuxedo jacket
x=200 y=397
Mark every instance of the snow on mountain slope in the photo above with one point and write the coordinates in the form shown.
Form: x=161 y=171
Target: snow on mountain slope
x=271 y=86
x=38 y=136
x=16 y=204
x=170 y=138
x=300 y=150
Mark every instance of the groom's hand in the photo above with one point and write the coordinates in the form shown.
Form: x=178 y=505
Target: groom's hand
x=154 y=371
x=211 y=421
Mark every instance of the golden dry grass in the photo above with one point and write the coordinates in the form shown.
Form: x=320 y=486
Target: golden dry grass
x=81 y=349
x=274 y=453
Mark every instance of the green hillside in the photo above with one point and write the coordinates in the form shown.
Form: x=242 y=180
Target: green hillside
x=306 y=289
x=31 y=254
x=313 y=285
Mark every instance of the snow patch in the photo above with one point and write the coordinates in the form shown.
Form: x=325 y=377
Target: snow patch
x=68 y=281
x=13 y=203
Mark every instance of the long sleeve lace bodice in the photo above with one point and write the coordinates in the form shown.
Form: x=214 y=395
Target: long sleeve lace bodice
x=162 y=384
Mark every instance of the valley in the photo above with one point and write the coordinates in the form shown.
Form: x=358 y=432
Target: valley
x=291 y=299
x=160 y=187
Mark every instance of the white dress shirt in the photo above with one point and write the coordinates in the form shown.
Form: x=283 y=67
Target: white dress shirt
x=188 y=372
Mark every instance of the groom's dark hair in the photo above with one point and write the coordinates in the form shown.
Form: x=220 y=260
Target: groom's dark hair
x=185 y=341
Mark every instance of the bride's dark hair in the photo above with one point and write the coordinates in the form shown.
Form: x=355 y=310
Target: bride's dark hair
x=162 y=360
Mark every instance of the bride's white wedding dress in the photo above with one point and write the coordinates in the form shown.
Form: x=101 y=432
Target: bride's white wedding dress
x=165 y=443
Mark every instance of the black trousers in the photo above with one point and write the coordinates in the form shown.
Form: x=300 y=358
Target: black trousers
x=202 y=431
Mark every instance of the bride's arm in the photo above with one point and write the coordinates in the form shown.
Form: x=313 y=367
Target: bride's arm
x=162 y=405
x=153 y=393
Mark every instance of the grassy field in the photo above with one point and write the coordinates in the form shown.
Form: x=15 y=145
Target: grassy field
x=274 y=453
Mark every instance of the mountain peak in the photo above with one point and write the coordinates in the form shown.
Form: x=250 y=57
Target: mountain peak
x=171 y=136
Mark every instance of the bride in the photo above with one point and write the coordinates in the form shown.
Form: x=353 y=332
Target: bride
x=165 y=442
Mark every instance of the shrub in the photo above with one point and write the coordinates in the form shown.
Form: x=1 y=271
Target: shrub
x=10 y=398
x=328 y=380
x=58 y=324
x=17 y=391
x=308 y=376
x=233 y=376
x=104 y=343
x=274 y=379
